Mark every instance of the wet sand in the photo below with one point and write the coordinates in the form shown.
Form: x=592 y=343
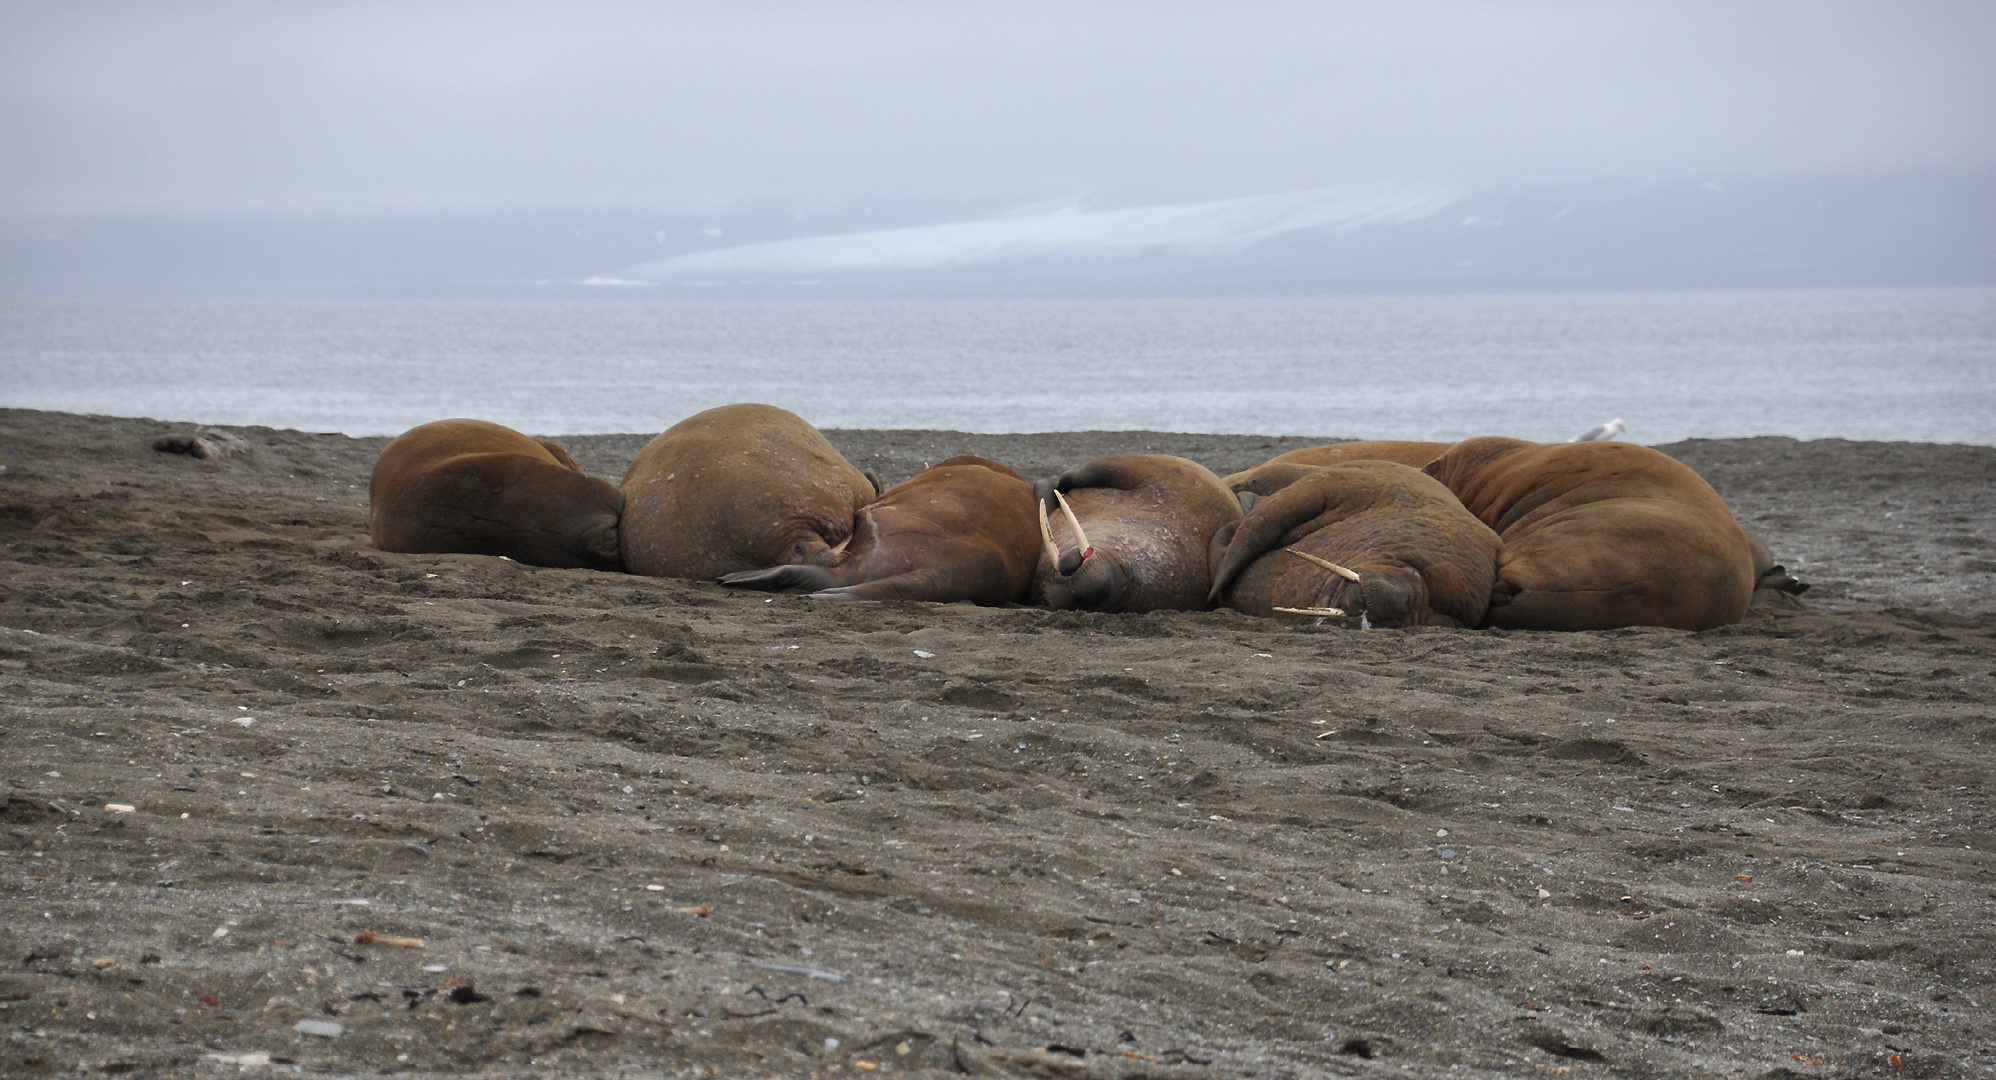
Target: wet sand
x=652 y=825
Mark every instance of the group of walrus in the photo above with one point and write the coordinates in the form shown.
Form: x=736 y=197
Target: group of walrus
x=1488 y=532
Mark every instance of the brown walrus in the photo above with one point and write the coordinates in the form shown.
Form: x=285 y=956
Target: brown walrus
x=1601 y=534
x=1373 y=539
x=740 y=487
x=963 y=529
x=483 y=489
x=1139 y=526
x=1415 y=454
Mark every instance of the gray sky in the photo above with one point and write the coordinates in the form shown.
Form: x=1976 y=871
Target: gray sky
x=257 y=106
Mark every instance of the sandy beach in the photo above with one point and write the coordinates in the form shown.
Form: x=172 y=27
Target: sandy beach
x=276 y=801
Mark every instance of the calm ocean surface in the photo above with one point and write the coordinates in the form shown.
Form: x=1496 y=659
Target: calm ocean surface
x=1904 y=364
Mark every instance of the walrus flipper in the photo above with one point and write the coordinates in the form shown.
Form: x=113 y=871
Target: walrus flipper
x=1266 y=480
x=1766 y=572
x=1274 y=518
x=1777 y=579
x=1106 y=472
x=562 y=456
x=792 y=578
x=1216 y=548
x=926 y=584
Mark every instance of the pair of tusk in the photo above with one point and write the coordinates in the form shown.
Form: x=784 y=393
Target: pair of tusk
x=1080 y=538
x=1046 y=531
x=1338 y=613
x=1348 y=575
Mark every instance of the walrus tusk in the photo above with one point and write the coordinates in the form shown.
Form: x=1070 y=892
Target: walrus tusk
x=840 y=548
x=1046 y=535
x=1080 y=538
x=1348 y=575
x=1335 y=612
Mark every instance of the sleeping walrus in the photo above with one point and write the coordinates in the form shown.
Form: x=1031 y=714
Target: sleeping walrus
x=1415 y=454
x=1372 y=539
x=1601 y=534
x=1138 y=526
x=482 y=489
x=740 y=487
x=963 y=529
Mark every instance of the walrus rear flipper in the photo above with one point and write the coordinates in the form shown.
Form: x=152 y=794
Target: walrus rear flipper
x=795 y=578
x=1772 y=582
x=1777 y=578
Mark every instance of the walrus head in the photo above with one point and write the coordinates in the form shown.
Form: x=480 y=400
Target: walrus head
x=602 y=544
x=1085 y=577
x=1384 y=597
x=581 y=515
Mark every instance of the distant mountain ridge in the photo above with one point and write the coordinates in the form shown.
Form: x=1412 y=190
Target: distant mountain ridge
x=1905 y=230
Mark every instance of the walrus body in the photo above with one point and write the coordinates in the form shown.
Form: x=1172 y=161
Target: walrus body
x=1403 y=549
x=1601 y=534
x=1413 y=454
x=740 y=487
x=1138 y=530
x=964 y=529
x=482 y=489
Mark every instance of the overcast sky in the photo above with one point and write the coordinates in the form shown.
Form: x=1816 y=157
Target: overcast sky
x=260 y=106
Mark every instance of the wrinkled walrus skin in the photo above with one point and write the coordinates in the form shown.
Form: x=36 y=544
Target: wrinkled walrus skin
x=1601 y=534
x=1421 y=559
x=479 y=488
x=964 y=529
x=1413 y=454
x=739 y=487
x=1148 y=519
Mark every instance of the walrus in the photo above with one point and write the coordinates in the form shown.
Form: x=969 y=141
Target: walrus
x=962 y=529
x=480 y=488
x=1373 y=539
x=1601 y=534
x=1415 y=454
x=735 y=488
x=1139 y=525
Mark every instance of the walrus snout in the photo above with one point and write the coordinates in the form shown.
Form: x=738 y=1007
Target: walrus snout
x=1391 y=598
x=1098 y=585
x=603 y=543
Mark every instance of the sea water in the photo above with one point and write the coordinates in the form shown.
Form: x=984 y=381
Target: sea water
x=1890 y=364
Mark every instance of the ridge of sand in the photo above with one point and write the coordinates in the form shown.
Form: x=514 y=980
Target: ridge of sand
x=940 y=839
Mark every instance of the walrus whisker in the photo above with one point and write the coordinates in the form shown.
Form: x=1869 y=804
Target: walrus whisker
x=1046 y=535
x=1080 y=538
x=1331 y=611
x=1348 y=575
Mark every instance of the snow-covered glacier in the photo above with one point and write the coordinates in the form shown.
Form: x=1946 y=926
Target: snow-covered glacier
x=1061 y=232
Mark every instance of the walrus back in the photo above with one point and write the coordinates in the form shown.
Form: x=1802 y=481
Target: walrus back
x=1410 y=453
x=479 y=488
x=1600 y=535
x=738 y=488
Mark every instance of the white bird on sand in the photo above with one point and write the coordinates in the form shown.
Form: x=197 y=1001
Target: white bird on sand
x=1601 y=432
